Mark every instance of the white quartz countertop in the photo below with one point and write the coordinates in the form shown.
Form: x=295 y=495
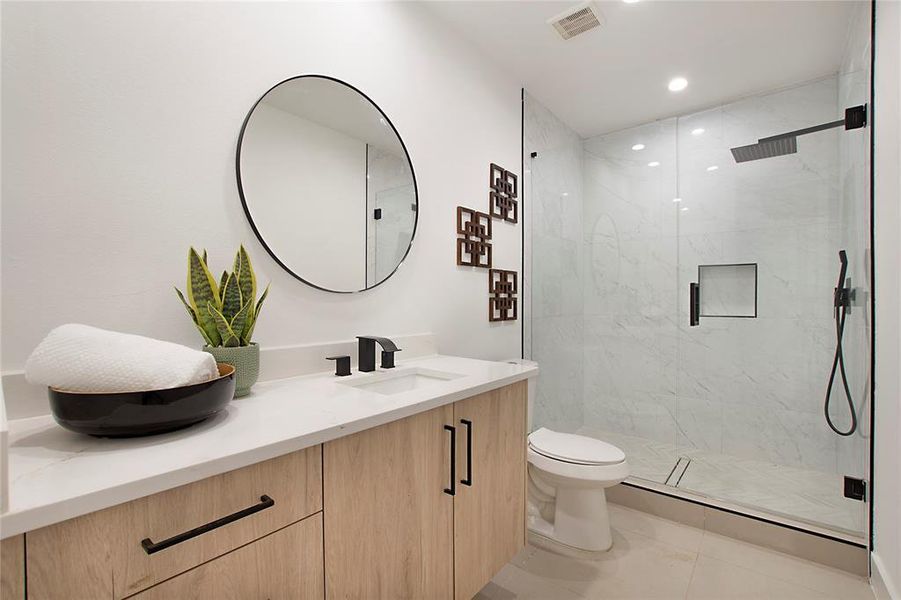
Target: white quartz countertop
x=55 y=474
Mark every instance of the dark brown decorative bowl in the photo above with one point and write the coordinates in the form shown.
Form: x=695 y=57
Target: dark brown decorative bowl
x=133 y=414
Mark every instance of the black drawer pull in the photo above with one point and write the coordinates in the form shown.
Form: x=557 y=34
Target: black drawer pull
x=150 y=547
x=468 y=479
x=452 y=490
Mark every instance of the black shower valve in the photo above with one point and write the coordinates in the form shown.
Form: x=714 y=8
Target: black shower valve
x=843 y=297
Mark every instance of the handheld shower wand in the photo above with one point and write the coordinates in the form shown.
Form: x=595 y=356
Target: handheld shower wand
x=841 y=302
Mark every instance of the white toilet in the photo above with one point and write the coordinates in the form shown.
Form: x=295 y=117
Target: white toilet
x=568 y=474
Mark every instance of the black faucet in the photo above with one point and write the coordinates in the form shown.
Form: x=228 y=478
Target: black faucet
x=366 y=352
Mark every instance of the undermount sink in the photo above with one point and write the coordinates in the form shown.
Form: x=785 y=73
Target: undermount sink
x=401 y=380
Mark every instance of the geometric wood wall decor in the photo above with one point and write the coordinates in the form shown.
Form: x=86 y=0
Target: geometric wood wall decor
x=502 y=290
x=474 y=247
x=503 y=195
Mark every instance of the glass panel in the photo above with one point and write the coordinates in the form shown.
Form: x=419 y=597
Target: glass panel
x=631 y=295
x=617 y=228
x=750 y=392
x=552 y=208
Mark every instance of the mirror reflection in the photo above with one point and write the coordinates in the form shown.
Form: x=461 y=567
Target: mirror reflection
x=327 y=184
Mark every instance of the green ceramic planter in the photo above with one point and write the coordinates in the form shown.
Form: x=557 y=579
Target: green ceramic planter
x=245 y=360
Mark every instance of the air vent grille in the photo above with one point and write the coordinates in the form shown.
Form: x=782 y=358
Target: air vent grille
x=576 y=21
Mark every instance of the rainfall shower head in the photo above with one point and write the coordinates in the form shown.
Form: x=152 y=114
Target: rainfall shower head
x=766 y=149
x=787 y=143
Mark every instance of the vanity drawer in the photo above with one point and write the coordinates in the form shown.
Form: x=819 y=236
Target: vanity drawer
x=127 y=548
x=285 y=565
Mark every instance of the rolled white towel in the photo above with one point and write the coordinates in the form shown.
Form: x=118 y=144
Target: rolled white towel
x=81 y=358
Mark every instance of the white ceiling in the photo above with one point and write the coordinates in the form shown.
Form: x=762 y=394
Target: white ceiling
x=337 y=107
x=616 y=76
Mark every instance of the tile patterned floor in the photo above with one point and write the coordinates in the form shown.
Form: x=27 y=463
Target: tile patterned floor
x=653 y=558
x=802 y=494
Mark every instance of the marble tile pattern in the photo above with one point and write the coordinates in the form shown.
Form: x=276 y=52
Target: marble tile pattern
x=805 y=495
x=656 y=558
x=748 y=388
x=552 y=208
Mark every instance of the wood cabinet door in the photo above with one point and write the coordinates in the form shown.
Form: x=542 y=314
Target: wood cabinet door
x=490 y=505
x=388 y=521
x=285 y=565
x=12 y=568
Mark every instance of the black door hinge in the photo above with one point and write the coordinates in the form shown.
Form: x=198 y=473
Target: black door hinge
x=855 y=489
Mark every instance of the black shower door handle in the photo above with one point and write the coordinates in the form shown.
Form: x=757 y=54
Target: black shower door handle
x=151 y=547
x=694 y=301
x=452 y=490
x=468 y=479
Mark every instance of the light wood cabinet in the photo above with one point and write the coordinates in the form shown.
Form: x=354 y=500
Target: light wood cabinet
x=12 y=568
x=285 y=565
x=489 y=512
x=431 y=506
x=103 y=554
x=398 y=525
x=388 y=521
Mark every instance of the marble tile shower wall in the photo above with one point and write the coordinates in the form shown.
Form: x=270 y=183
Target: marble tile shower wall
x=746 y=387
x=630 y=287
x=553 y=201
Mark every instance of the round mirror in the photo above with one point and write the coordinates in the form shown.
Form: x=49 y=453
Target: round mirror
x=327 y=184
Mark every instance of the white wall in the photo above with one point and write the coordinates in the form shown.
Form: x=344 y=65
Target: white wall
x=887 y=422
x=120 y=123
x=305 y=185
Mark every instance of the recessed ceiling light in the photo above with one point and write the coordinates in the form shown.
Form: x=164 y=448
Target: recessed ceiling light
x=638 y=147
x=712 y=168
x=564 y=194
x=677 y=84
x=653 y=163
x=697 y=131
x=684 y=208
x=677 y=199
x=630 y=1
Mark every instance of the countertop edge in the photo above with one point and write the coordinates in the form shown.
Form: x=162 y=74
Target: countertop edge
x=17 y=522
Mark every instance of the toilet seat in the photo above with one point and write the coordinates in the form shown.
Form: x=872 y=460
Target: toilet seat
x=575 y=449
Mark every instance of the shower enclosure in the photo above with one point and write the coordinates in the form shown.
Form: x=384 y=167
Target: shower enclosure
x=682 y=304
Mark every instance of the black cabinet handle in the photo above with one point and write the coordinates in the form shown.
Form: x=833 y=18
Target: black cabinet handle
x=452 y=490
x=468 y=479
x=151 y=547
x=694 y=301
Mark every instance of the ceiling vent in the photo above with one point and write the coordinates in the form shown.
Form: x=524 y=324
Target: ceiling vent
x=577 y=20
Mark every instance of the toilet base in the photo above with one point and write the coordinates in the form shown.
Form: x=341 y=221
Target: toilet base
x=579 y=519
x=545 y=543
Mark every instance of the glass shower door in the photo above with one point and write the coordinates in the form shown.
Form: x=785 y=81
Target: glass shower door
x=762 y=240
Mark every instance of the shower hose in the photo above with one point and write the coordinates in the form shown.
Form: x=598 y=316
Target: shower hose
x=838 y=363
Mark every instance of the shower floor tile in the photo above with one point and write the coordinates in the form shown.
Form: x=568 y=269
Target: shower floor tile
x=801 y=494
x=788 y=491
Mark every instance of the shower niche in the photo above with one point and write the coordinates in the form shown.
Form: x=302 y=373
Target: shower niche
x=728 y=290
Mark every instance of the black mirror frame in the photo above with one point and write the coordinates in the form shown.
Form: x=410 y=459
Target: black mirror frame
x=247 y=208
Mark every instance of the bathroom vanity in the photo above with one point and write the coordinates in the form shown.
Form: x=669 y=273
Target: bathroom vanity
x=408 y=483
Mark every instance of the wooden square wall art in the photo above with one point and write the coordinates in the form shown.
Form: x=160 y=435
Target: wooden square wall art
x=504 y=194
x=502 y=290
x=474 y=247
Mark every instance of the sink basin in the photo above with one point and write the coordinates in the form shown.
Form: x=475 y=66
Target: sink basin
x=401 y=380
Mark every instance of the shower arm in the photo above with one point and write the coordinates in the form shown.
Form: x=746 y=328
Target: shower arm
x=855 y=118
x=804 y=131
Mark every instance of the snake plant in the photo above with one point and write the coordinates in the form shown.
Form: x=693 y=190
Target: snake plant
x=226 y=312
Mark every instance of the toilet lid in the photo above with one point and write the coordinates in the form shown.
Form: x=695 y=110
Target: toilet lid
x=574 y=448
